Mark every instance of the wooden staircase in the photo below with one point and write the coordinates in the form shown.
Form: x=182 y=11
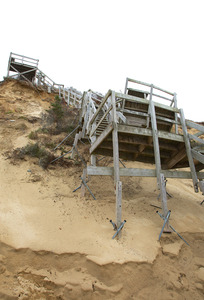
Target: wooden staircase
x=135 y=127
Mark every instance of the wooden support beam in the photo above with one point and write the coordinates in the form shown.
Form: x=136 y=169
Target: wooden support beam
x=141 y=148
x=164 y=199
x=155 y=138
x=93 y=160
x=115 y=140
x=148 y=132
x=176 y=158
x=100 y=106
x=197 y=139
x=188 y=151
x=75 y=145
x=195 y=125
x=198 y=156
x=118 y=203
x=83 y=188
x=100 y=139
x=131 y=172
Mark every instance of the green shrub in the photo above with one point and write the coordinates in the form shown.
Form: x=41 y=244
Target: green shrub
x=34 y=150
x=33 y=135
x=57 y=108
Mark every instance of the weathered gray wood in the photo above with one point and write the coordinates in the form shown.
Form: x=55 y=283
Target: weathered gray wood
x=115 y=140
x=100 y=106
x=176 y=115
x=188 y=151
x=126 y=85
x=198 y=133
x=198 y=156
x=133 y=112
x=163 y=198
x=176 y=158
x=155 y=139
x=197 y=139
x=100 y=139
x=195 y=125
x=100 y=122
x=145 y=101
x=147 y=84
x=148 y=132
x=131 y=172
x=118 y=203
x=167 y=120
x=83 y=188
x=93 y=160
x=140 y=91
x=74 y=145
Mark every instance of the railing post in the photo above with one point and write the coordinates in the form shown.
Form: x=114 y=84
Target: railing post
x=176 y=115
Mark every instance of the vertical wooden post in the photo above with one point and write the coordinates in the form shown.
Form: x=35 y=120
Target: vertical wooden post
x=68 y=97
x=188 y=151
x=176 y=116
x=83 y=188
x=93 y=160
x=117 y=182
x=118 y=203
x=163 y=195
x=115 y=140
x=155 y=138
x=75 y=144
x=126 y=85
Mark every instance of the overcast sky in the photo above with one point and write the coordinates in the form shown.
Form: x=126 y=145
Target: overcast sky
x=97 y=44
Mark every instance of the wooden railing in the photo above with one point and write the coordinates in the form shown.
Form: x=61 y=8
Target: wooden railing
x=156 y=94
x=71 y=96
x=23 y=60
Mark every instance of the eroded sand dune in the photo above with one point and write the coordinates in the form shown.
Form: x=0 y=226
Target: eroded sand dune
x=56 y=245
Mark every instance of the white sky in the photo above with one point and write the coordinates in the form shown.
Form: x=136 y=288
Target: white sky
x=97 y=44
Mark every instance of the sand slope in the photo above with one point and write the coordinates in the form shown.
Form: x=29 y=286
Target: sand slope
x=56 y=245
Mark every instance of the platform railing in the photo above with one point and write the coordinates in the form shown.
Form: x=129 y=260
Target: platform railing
x=24 y=60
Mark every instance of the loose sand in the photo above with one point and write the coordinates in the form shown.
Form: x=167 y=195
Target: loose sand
x=56 y=245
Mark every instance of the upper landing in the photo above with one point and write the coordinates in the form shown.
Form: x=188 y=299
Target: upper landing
x=24 y=65
x=137 y=113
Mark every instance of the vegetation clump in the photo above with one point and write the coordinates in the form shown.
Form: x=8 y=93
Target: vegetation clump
x=35 y=150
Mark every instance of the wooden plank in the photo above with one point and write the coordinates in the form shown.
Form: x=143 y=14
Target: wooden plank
x=133 y=112
x=166 y=120
x=100 y=139
x=163 y=197
x=145 y=101
x=198 y=156
x=197 y=139
x=148 y=132
x=155 y=138
x=188 y=151
x=118 y=203
x=195 y=125
x=198 y=133
x=131 y=172
x=140 y=91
